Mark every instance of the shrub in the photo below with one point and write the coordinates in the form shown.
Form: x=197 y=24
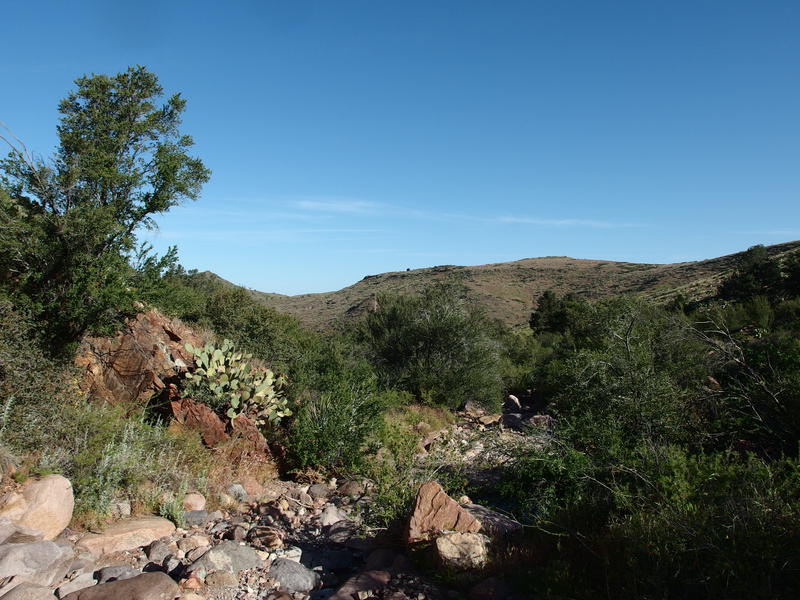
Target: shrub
x=436 y=345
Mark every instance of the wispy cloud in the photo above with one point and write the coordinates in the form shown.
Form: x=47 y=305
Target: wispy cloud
x=566 y=222
x=337 y=205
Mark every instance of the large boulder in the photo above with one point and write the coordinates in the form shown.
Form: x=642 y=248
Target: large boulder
x=43 y=504
x=435 y=512
x=126 y=535
x=227 y=556
x=292 y=576
x=140 y=361
x=462 y=551
x=42 y=563
x=29 y=591
x=147 y=586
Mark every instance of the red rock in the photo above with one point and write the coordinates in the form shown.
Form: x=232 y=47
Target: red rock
x=199 y=417
x=138 y=362
x=434 y=512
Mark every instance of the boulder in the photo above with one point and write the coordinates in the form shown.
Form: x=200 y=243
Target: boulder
x=147 y=586
x=194 y=501
x=80 y=582
x=227 y=556
x=126 y=535
x=363 y=585
x=139 y=361
x=11 y=533
x=199 y=417
x=434 y=512
x=293 y=576
x=43 y=504
x=43 y=563
x=462 y=551
x=29 y=591
x=493 y=523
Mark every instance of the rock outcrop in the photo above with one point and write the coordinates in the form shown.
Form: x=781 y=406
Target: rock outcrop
x=139 y=361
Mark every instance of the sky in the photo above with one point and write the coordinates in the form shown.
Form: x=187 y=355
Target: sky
x=351 y=138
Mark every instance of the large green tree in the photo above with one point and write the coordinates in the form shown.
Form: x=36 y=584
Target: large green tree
x=68 y=225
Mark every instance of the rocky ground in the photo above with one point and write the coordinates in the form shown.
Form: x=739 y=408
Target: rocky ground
x=276 y=541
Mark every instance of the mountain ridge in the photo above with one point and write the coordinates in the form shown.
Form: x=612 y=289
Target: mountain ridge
x=508 y=289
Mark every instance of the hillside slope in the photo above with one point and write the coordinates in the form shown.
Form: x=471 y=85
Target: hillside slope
x=508 y=290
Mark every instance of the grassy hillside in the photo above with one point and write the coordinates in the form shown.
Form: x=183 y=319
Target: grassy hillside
x=508 y=289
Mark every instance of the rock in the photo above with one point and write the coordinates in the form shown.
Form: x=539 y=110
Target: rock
x=514 y=421
x=126 y=535
x=293 y=576
x=512 y=404
x=250 y=442
x=493 y=523
x=11 y=533
x=341 y=531
x=331 y=514
x=462 y=551
x=196 y=416
x=351 y=489
x=80 y=582
x=237 y=492
x=158 y=550
x=45 y=505
x=489 y=419
x=191 y=596
x=227 y=556
x=268 y=538
x=116 y=573
x=222 y=579
x=434 y=512
x=192 y=542
x=134 y=365
x=29 y=591
x=363 y=585
x=147 y=586
x=251 y=486
x=121 y=509
x=319 y=491
x=196 y=518
x=493 y=588
x=43 y=563
x=194 y=501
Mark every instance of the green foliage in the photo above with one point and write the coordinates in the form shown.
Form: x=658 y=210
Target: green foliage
x=757 y=274
x=436 y=345
x=239 y=387
x=67 y=227
x=334 y=414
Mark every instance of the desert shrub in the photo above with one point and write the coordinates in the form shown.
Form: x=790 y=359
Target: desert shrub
x=333 y=418
x=436 y=345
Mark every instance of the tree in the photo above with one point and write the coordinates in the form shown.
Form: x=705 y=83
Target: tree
x=757 y=274
x=69 y=224
x=436 y=345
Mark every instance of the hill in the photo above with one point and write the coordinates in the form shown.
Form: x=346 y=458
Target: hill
x=508 y=289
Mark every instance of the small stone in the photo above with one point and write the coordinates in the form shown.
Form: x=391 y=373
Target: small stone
x=196 y=518
x=194 y=501
x=331 y=514
x=237 y=492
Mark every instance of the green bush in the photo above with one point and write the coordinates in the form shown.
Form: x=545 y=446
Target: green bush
x=436 y=345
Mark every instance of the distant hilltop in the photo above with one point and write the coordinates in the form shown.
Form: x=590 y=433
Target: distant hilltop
x=508 y=290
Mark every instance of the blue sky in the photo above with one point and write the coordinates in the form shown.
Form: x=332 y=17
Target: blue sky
x=351 y=138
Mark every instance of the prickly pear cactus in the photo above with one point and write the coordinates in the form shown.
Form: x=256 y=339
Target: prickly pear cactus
x=230 y=376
